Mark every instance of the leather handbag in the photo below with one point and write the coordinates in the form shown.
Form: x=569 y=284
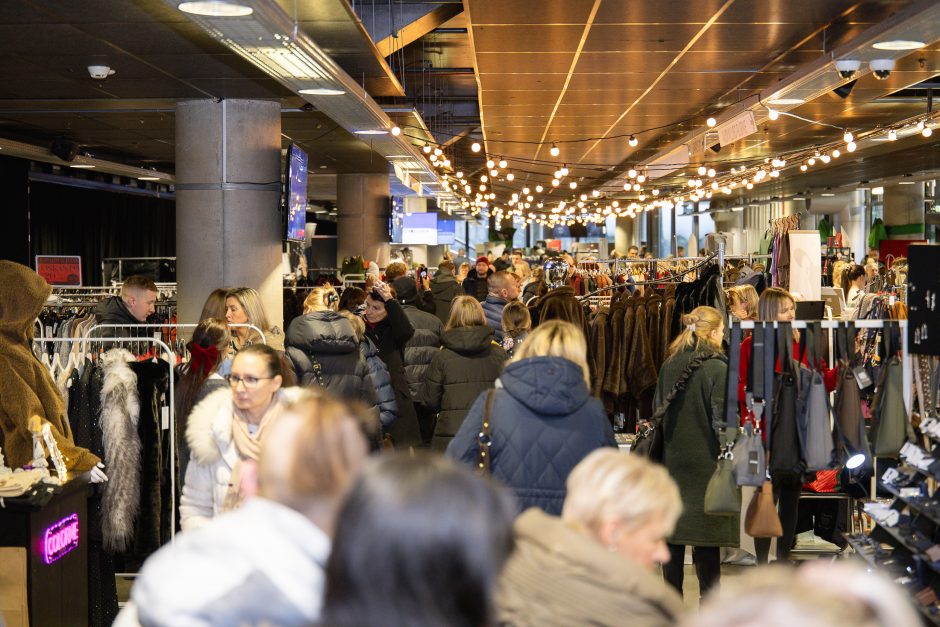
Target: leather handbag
x=813 y=413
x=485 y=439
x=848 y=406
x=762 y=519
x=785 y=459
x=748 y=452
x=892 y=427
x=722 y=494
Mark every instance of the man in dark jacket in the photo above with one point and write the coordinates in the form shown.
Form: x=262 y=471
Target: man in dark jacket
x=503 y=263
x=503 y=287
x=444 y=289
x=136 y=303
x=419 y=350
x=475 y=283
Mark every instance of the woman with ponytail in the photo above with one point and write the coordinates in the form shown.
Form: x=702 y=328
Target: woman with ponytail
x=690 y=397
x=200 y=377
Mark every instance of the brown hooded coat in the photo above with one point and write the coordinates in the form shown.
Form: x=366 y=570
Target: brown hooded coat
x=26 y=387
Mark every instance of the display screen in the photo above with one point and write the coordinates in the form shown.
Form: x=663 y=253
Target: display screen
x=296 y=193
x=445 y=231
x=419 y=228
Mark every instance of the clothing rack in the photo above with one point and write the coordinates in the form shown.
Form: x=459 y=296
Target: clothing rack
x=170 y=360
x=89 y=333
x=669 y=279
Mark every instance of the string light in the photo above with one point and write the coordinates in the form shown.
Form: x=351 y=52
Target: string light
x=564 y=170
x=475 y=146
x=490 y=164
x=539 y=188
x=503 y=163
x=427 y=149
x=510 y=176
x=850 y=147
x=633 y=141
x=641 y=178
x=554 y=151
x=773 y=114
x=848 y=137
x=711 y=122
x=927 y=132
x=702 y=170
x=573 y=185
x=555 y=182
x=892 y=135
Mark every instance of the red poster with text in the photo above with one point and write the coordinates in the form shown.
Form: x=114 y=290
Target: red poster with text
x=60 y=269
x=553 y=244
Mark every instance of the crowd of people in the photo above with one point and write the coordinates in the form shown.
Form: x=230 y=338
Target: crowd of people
x=419 y=454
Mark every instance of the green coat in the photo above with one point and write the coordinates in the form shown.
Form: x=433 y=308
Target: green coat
x=691 y=430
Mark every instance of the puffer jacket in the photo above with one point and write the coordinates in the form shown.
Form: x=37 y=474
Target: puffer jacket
x=382 y=382
x=493 y=308
x=444 y=289
x=544 y=421
x=328 y=338
x=468 y=364
x=475 y=285
x=421 y=348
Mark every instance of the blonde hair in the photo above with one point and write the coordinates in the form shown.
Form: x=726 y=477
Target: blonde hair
x=610 y=485
x=838 y=268
x=325 y=449
x=359 y=327
x=699 y=326
x=522 y=270
x=557 y=338
x=214 y=307
x=771 y=303
x=747 y=296
x=516 y=319
x=250 y=301
x=323 y=298
x=466 y=311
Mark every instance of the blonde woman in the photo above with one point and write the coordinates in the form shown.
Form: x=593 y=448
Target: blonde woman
x=690 y=394
x=742 y=302
x=324 y=349
x=543 y=419
x=469 y=363
x=598 y=562
x=243 y=306
x=517 y=323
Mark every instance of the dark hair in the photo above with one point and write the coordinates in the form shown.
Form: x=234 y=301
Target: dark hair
x=420 y=541
x=210 y=332
x=351 y=298
x=265 y=352
x=851 y=274
x=214 y=306
x=446 y=265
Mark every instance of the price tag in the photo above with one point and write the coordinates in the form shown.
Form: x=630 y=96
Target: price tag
x=862 y=377
x=165 y=418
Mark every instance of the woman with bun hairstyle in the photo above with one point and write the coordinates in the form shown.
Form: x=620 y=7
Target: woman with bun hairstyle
x=690 y=395
x=853 y=286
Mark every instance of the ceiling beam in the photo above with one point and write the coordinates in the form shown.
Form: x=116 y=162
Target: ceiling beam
x=410 y=33
x=464 y=133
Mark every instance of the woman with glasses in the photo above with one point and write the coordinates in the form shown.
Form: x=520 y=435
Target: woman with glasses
x=226 y=432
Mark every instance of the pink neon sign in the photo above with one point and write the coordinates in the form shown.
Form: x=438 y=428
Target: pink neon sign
x=59 y=539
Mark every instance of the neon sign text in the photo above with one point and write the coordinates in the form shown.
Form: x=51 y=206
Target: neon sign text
x=60 y=539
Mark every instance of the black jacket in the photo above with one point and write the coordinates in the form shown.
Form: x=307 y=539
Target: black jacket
x=390 y=337
x=476 y=286
x=468 y=364
x=113 y=311
x=328 y=338
x=444 y=289
x=544 y=422
x=421 y=348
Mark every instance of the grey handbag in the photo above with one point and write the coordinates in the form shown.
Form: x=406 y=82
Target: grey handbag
x=750 y=466
x=813 y=412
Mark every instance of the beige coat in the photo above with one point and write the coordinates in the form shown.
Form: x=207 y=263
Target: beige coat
x=560 y=576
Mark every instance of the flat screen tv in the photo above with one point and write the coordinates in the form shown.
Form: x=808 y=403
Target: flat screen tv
x=446 y=232
x=295 y=196
x=419 y=228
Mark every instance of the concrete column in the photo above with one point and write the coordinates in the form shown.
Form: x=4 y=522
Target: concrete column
x=625 y=234
x=904 y=211
x=228 y=195
x=362 y=206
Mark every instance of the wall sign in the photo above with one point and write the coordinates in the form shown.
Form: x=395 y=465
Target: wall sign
x=60 y=539
x=60 y=269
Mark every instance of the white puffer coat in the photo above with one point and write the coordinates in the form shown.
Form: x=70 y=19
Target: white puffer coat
x=212 y=456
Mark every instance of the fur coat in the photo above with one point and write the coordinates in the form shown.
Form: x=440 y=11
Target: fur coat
x=26 y=387
x=120 y=411
x=212 y=456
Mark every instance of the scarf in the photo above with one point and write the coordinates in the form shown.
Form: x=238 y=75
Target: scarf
x=249 y=448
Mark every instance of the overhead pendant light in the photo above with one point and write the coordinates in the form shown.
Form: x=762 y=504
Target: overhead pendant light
x=539 y=188
x=438 y=152
x=216 y=8
x=503 y=163
x=836 y=153
x=555 y=182
x=898 y=44
x=631 y=173
x=475 y=146
x=573 y=185
x=641 y=178
x=633 y=141
x=494 y=172
x=554 y=151
x=490 y=164
x=702 y=170
x=324 y=91
x=564 y=170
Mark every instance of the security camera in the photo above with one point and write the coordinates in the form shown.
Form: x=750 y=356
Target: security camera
x=100 y=72
x=882 y=68
x=848 y=67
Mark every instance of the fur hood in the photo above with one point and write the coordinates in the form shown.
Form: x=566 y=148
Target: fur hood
x=210 y=423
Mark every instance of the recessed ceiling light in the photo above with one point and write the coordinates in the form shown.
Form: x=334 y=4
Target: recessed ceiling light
x=898 y=44
x=85 y=166
x=907 y=182
x=786 y=101
x=371 y=132
x=322 y=91
x=148 y=178
x=216 y=8
x=827 y=194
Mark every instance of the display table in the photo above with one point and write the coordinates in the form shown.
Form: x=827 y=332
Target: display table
x=50 y=524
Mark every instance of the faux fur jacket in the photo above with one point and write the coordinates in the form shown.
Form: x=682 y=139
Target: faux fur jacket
x=120 y=411
x=212 y=456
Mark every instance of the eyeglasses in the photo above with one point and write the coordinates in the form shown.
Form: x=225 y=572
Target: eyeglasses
x=250 y=382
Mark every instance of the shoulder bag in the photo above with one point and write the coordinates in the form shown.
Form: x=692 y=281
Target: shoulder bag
x=814 y=415
x=485 y=438
x=722 y=494
x=749 y=463
x=892 y=426
x=785 y=460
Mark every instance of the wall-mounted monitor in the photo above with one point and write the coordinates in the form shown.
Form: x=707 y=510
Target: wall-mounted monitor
x=295 y=196
x=446 y=232
x=419 y=228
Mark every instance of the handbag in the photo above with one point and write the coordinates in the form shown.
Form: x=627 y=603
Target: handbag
x=748 y=452
x=848 y=408
x=722 y=494
x=891 y=422
x=762 y=519
x=485 y=438
x=785 y=459
x=814 y=415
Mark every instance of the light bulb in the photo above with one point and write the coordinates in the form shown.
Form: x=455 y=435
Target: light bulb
x=774 y=174
x=836 y=153
x=711 y=122
x=633 y=141
x=529 y=198
x=427 y=149
x=490 y=164
x=773 y=114
x=396 y=131
x=510 y=176
x=637 y=187
x=804 y=167
x=433 y=158
x=573 y=185
x=484 y=178
x=711 y=172
x=920 y=125
x=503 y=163
x=555 y=182
x=631 y=173
x=554 y=151
x=525 y=190
x=467 y=188
x=812 y=161
x=750 y=185
x=460 y=174
x=714 y=184
x=825 y=158
x=892 y=135
x=927 y=132
x=475 y=146
x=583 y=196
x=655 y=192
x=702 y=170
x=539 y=188
x=494 y=172
x=850 y=146
x=848 y=137
x=482 y=187
x=627 y=187
x=564 y=170
x=595 y=193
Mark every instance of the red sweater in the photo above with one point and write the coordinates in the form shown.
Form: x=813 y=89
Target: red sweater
x=830 y=376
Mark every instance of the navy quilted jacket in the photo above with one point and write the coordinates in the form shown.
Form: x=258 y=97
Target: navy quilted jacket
x=493 y=308
x=544 y=422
